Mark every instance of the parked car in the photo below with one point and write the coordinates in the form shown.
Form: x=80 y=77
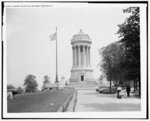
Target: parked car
x=106 y=89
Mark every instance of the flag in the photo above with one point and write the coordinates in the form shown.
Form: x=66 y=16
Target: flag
x=53 y=36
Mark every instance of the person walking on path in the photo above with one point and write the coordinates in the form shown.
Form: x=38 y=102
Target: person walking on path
x=128 y=90
x=119 y=91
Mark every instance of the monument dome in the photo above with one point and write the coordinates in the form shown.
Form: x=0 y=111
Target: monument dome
x=81 y=37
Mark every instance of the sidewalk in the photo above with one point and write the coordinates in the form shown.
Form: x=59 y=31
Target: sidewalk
x=90 y=101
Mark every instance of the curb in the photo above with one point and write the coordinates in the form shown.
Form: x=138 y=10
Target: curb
x=69 y=104
x=72 y=103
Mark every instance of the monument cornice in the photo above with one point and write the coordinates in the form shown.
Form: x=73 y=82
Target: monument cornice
x=81 y=41
x=80 y=69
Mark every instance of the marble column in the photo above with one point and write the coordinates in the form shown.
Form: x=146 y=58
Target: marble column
x=84 y=56
x=79 y=55
x=73 y=56
x=89 y=56
x=76 y=56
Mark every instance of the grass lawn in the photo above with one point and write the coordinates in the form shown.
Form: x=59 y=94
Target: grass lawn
x=40 y=101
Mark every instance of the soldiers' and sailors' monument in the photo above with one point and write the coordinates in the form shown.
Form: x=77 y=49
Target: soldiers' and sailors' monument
x=81 y=71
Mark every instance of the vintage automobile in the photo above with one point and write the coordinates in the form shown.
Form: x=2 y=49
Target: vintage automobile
x=106 y=89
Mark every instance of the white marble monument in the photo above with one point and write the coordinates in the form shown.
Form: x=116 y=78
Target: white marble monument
x=81 y=71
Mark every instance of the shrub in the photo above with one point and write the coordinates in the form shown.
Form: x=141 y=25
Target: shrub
x=20 y=90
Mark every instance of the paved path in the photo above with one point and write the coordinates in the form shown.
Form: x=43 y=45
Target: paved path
x=90 y=101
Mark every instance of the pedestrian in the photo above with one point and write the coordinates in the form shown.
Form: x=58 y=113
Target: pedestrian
x=128 y=90
x=119 y=91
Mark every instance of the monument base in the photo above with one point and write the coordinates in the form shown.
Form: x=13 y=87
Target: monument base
x=81 y=75
x=82 y=79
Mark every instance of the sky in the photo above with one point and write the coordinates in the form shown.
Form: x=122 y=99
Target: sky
x=30 y=51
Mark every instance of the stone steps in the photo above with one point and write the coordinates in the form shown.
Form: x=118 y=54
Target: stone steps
x=83 y=85
x=84 y=88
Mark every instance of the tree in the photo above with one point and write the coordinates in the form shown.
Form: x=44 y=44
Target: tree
x=10 y=86
x=112 y=59
x=20 y=90
x=30 y=83
x=46 y=81
x=129 y=32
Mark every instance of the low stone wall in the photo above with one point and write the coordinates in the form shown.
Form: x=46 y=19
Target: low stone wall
x=69 y=104
x=72 y=102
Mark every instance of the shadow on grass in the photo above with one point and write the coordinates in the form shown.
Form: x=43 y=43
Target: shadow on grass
x=114 y=107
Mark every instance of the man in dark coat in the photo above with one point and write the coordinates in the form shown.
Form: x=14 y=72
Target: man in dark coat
x=128 y=90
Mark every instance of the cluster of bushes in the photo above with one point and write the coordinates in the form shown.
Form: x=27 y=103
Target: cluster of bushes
x=31 y=85
x=11 y=88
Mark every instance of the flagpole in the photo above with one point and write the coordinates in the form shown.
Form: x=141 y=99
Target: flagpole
x=56 y=60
